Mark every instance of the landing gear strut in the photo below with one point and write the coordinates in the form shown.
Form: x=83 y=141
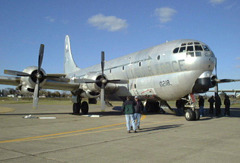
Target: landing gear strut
x=191 y=113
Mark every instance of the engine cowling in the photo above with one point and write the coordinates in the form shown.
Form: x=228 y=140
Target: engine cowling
x=94 y=89
x=28 y=82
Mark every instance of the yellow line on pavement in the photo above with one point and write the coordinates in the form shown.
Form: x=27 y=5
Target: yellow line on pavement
x=62 y=133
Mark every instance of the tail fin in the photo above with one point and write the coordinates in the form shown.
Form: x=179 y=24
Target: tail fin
x=69 y=64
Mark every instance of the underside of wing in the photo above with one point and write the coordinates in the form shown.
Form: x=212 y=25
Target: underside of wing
x=15 y=81
x=58 y=85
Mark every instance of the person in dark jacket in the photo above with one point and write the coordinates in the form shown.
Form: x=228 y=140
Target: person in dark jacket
x=138 y=110
x=227 y=106
x=218 y=104
x=180 y=106
x=211 y=102
x=128 y=109
x=201 y=105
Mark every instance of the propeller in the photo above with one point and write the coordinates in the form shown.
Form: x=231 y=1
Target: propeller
x=103 y=81
x=38 y=76
x=216 y=80
x=216 y=85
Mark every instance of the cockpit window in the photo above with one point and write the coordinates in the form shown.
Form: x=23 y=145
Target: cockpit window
x=190 y=43
x=198 y=48
x=190 y=48
x=183 y=44
x=175 y=50
x=205 y=48
x=182 y=49
x=196 y=43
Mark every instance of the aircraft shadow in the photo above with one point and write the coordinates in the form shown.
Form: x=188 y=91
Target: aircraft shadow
x=6 y=114
x=159 y=128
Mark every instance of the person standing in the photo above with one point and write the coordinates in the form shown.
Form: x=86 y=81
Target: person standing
x=201 y=105
x=138 y=110
x=218 y=104
x=128 y=109
x=227 y=106
x=179 y=105
x=211 y=103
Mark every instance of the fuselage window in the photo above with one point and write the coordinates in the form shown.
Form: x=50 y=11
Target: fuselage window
x=175 y=50
x=123 y=68
x=140 y=64
x=205 y=48
x=198 y=54
x=158 y=57
x=182 y=49
x=198 y=48
x=110 y=70
x=190 y=48
x=190 y=54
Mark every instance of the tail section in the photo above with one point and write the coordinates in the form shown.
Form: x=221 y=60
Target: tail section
x=69 y=64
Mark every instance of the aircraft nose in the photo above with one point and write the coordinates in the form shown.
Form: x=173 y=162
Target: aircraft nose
x=212 y=63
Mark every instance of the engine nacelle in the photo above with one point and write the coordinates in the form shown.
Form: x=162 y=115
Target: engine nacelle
x=25 y=90
x=28 y=82
x=213 y=80
x=94 y=89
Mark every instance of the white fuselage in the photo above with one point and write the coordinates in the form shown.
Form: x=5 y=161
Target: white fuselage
x=165 y=71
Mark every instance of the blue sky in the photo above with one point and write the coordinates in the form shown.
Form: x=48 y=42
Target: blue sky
x=118 y=27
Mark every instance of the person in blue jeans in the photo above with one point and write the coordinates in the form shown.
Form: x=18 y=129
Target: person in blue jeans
x=138 y=110
x=128 y=109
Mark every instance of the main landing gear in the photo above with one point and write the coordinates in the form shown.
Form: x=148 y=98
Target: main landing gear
x=78 y=105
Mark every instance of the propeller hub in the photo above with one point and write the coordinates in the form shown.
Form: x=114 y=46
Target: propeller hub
x=104 y=81
x=39 y=75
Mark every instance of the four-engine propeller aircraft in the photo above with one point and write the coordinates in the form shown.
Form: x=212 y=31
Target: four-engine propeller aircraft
x=169 y=71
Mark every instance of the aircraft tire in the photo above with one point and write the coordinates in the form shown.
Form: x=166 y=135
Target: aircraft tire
x=197 y=114
x=84 y=107
x=189 y=115
x=76 y=108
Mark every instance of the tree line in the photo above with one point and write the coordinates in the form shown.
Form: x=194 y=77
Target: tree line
x=43 y=92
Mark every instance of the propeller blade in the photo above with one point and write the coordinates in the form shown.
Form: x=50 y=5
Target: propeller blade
x=118 y=81
x=40 y=58
x=16 y=73
x=227 y=80
x=102 y=61
x=216 y=87
x=102 y=98
x=36 y=95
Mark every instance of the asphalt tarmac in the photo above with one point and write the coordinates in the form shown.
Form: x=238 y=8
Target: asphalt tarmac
x=77 y=138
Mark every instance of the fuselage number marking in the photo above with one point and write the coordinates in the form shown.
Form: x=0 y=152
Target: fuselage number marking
x=165 y=83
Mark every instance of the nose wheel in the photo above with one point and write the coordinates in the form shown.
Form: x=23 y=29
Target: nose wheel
x=191 y=115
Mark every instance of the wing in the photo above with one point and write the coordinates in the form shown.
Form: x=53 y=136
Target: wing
x=59 y=85
x=15 y=81
x=49 y=84
x=227 y=90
